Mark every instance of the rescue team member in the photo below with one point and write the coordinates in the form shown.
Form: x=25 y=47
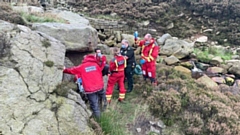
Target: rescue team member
x=117 y=65
x=149 y=53
x=128 y=52
x=102 y=61
x=92 y=81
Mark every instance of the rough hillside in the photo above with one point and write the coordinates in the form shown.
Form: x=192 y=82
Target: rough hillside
x=219 y=20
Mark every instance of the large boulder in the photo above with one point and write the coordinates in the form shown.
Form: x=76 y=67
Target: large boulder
x=104 y=48
x=176 y=47
x=216 y=60
x=234 y=67
x=30 y=71
x=76 y=34
x=171 y=60
x=215 y=70
x=72 y=18
x=130 y=39
x=163 y=38
x=68 y=77
x=76 y=37
x=208 y=82
x=183 y=70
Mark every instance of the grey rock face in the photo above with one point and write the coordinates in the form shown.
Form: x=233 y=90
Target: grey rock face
x=76 y=37
x=163 y=38
x=171 y=60
x=76 y=34
x=176 y=47
x=68 y=77
x=30 y=70
x=234 y=67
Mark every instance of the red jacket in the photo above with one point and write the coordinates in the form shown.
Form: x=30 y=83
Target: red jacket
x=102 y=61
x=149 y=52
x=118 y=63
x=90 y=72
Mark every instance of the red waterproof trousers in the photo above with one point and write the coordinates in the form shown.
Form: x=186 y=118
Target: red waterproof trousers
x=149 y=69
x=116 y=77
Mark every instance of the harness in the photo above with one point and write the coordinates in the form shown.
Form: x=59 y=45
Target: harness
x=149 y=58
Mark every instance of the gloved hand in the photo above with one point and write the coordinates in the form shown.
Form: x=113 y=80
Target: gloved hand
x=79 y=80
x=142 y=61
x=135 y=37
x=135 y=34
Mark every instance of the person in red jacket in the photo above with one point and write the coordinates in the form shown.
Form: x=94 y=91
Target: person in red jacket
x=149 y=53
x=92 y=81
x=117 y=65
x=102 y=61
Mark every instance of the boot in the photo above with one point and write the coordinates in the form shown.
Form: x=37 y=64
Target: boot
x=121 y=101
x=129 y=90
x=145 y=77
x=153 y=81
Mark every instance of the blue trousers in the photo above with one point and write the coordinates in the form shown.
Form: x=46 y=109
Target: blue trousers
x=94 y=102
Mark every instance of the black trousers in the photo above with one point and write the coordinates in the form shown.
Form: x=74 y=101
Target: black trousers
x=128 y=71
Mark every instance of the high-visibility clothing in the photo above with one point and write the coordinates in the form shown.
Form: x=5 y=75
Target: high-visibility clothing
x=149 y=53
x=91 y=74
x=118 y=63
x=117 y=66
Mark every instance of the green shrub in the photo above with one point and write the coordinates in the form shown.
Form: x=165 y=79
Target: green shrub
x=166 y=105
x=193 y=123
x=223 y=120
x=110 y=123
x=49 y=63
x=63 y=88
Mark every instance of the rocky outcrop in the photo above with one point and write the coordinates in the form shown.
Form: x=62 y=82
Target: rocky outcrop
x=75 y=37
x=30 y=71
x=171 y=60
x=179 y=48
x=183 y=70
x=208 y=82
x=76 y=34
x=234 y=67
x=216 y=19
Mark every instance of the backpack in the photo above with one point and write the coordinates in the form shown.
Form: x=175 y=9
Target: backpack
x=138 y=70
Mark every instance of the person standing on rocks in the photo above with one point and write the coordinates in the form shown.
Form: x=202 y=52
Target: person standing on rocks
x=149 y=53
x=128 y=52
x=92 y=81
x=117 y=65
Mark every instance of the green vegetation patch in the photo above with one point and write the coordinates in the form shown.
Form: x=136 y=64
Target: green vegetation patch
x=46 y=43
x=49 y=63
x=63 y=88
x=41 y=17
x=205 y=54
